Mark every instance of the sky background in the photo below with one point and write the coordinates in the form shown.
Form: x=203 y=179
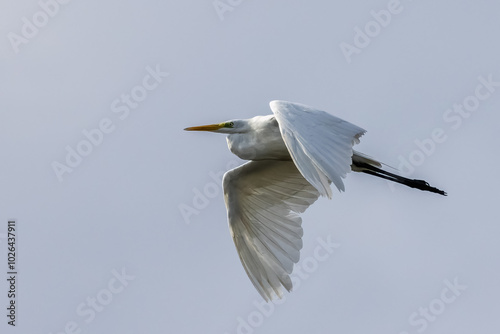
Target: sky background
x=144 y=203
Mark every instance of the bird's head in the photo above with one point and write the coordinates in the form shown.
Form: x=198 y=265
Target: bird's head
x=234 y=126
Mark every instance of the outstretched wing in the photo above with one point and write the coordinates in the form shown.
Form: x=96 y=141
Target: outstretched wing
x=263 y=200
x=320 y=144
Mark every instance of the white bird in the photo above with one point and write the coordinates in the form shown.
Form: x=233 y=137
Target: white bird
x=295 y=154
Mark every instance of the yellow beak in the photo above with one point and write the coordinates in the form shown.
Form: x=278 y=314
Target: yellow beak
x=211 y=127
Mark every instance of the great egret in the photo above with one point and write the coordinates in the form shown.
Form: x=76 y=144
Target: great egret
x=295 y=154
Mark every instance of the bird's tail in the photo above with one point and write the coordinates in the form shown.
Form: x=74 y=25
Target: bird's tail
x=363 y=164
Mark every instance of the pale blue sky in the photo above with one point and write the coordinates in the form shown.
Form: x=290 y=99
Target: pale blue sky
x=105 y=248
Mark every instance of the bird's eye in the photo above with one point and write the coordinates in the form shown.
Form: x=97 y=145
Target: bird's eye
x=229 y=124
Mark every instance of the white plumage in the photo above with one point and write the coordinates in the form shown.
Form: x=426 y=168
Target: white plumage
x=263 y=200
x=320 y=144
x=295 y=154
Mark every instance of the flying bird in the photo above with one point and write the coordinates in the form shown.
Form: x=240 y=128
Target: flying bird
x=295 y=154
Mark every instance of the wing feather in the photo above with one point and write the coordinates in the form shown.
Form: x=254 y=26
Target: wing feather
x=263 y=200
x=320 y=144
